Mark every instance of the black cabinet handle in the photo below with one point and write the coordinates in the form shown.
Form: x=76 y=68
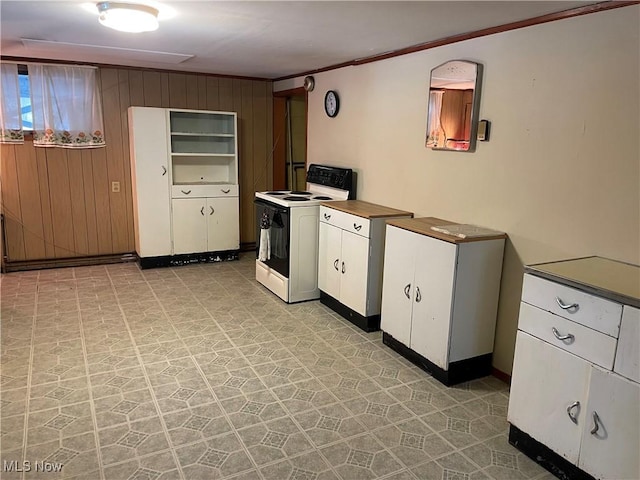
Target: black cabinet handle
x=342 y=267
x=335 y=264
x=406 y=290
x=164 y=170
x=418 y=295
x=202 y=211
x=327 y=217
x=212 y=210
x=357 y=227
x=225 y=191
x=187 y=192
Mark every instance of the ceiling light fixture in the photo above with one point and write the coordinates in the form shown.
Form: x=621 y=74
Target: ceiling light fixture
x=128 y=17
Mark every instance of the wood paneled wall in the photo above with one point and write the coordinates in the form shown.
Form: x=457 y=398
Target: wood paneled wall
x=58 y=202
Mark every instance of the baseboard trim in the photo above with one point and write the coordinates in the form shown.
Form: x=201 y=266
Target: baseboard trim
x=368 y=324
x=500 y=375
x=24 y=265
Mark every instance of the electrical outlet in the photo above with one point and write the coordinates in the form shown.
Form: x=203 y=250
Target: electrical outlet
x=115 y=187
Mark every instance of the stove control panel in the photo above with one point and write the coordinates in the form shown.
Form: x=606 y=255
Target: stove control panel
x=335 y=177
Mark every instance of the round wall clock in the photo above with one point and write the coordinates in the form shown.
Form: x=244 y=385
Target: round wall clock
x=331 y=103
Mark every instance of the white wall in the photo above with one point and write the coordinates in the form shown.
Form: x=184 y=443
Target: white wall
x=561 y=172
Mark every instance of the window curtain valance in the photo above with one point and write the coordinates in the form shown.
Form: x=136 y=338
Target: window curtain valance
x=67 y=111
x=10 y=111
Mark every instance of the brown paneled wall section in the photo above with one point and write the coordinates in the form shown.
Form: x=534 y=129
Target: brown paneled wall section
x=58 y=202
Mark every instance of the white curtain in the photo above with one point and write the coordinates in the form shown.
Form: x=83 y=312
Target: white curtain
x=67 y=111
x=10 y=113
x=435 y=133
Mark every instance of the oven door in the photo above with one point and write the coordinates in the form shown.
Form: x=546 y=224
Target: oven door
x=272 y=236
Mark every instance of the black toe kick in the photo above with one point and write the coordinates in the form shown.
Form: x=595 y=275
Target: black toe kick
x=368 y=324
x=188 y=259
x=545 y=457
x=460 y=371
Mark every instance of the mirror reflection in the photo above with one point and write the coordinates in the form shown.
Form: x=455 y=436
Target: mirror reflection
x=454 y=94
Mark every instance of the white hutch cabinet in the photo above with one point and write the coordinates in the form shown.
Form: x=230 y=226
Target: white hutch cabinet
x=440 y=297
x=350 y=253
x=574 y=404
x=184 y=166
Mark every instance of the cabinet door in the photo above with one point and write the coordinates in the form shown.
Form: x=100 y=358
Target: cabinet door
x=397 y=283
x=329 y=257
x=223 y=224
x=189 y=225
x=355 y=268
x=611 y=451
x=150 y=180
x=433 y=296
x=548 y=388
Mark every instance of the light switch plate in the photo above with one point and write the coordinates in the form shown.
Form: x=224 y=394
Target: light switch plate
x=483 y=130
x=115 y=187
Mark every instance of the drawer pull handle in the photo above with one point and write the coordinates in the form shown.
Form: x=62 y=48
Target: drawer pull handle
x=596 y=424
x=335 y=264
x=570 y=408
x=187 y=192
x=566 y=307
x=327 y=217
x=568 y=336
x=225 y=191
x=418 y=295
x=406 y=290
x=357 y=227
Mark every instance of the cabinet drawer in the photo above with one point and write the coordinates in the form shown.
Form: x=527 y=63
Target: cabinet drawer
x=583 y=308
x=584 y=342
x=345 y=221
x=189 y=191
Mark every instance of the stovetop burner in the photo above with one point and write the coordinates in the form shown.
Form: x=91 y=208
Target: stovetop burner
x=322 y=197
x=294 y=192
x=296 y=199
x=276 y=193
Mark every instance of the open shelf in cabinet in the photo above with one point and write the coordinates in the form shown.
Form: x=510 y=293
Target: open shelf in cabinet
x=203 y=169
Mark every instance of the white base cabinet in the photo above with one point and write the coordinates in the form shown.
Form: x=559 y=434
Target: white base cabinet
x=184 y=167
x=350 y=252
x=440 y=298
x=574 y=404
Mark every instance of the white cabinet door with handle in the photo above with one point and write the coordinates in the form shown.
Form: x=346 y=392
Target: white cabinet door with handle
x=611 y=437
x=433 y=299
x=189 y=225
x=354 y=265
x=398 y=284
x=548 y=395
x=329 y=254
x=222 y=224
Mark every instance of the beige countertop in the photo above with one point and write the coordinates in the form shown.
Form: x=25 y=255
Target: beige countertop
x=423 y=226
x=366 y=209
x=611 y=279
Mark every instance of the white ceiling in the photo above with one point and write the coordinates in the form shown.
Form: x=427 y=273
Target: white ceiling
x=265 y=39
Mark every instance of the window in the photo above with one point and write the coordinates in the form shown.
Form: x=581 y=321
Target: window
x=25 y=99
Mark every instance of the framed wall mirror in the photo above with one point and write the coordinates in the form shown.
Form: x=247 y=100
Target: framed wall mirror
x=454 y=98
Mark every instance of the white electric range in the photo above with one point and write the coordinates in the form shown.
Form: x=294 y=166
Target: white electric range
x=287 y=232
